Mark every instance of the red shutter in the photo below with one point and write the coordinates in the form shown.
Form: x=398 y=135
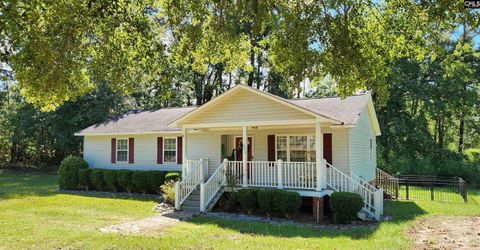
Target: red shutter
x=327 y=147
x=271 y=147
x=179 y=150
x=159 y=150
x=131 y=150
x=114 y=151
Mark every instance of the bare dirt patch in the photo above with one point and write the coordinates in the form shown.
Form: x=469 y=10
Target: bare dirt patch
x=445 y=232
x=167 y=218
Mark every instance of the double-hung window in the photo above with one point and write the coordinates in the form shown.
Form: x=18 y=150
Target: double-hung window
x=296 y=148
x=122 y=150
x=170 y=150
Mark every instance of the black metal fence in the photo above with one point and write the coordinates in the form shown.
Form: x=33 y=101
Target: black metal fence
x=422 y=187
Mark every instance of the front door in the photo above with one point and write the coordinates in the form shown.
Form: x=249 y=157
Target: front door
x=239 y=149
x=327 y=147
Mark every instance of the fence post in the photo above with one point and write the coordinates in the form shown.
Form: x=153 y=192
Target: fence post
x=280 y=174
x=431 y=189
x=406 y=187
x=202 y=197
x=396 y=188
x=378 y=203
x=177 y=195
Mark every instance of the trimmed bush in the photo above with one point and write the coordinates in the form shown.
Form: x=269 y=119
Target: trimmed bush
x=154 y=180
x=68 y=172
x=345 y=206
x=139 y=179
x=168 y=191
x=172 y=176
x=286 y=203
x=228 y=202
x=248 y=199
x=110 y=179
x=265 y=200
x=96 y=179
x=84 y=178
x=124 y=180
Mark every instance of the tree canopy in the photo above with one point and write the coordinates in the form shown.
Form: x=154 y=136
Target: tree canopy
x=68 y=64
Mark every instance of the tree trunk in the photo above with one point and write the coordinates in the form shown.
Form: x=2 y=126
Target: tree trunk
x=461 y=132
x=251 y=74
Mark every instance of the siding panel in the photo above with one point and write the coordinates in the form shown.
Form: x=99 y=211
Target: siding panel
x=245 y=106
x=97 y=152
x=360 y=136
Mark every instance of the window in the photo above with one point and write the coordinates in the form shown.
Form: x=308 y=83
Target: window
x=296 y=148
x=170 y=150
x=371 y=149
x=122 y=150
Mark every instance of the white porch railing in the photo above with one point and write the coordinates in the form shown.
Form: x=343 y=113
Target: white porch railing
x=209 y=189
x=300 y=175
x=189 y=182
x=341 y=182
x=188 y=166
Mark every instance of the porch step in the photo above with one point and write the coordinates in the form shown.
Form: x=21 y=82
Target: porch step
x=192 y=203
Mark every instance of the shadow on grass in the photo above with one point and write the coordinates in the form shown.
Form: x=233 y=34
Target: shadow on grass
x=19 y=183
x=400 y=211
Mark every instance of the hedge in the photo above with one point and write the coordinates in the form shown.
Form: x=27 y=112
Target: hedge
x=248 y=199
x=345 y=206
x=124 y=180
x=269 y=201
x=68 y=172
x=84 y=178
x=96 y=178
x=121 y=180
x=110 y=179
x=139 y=179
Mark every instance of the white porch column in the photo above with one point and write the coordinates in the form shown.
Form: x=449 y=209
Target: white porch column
x=245 y=155
x=184 y=152
x=319 y=157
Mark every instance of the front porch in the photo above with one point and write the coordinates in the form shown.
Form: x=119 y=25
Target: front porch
x=306 y=178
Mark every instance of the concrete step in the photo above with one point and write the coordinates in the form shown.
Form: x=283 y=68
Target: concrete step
x=191 y=208
x=196 y=192
x=191 y=203
x=193 y=198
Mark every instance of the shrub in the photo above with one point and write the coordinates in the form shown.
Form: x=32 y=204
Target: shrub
x=248 y=199
x=173 y=176
x=68 y=172
x=154 y=180
x=96 y=179
x=286 y=203
x=345 y=206
x=84 y=178
x=265 y=200
x=124 y=180
x=168 y=191
x=110 y=179
x=139 y=179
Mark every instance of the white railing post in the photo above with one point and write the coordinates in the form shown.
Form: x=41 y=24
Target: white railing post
x=280 y=174
x=378 y=203
x=202 y=197
x=177 y=195
x=244 y=156
x=322 y=175
x=202 y=171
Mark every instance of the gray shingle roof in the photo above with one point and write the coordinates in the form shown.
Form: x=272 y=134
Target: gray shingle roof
x=139 y=121
x=345 y=110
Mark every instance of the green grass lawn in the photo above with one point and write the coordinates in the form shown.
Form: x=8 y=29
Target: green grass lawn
x=33 y=216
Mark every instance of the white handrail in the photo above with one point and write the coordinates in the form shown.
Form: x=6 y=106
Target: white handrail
x=188 y=184
x=363 y=182
x=341 y=182
x=209 y=189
